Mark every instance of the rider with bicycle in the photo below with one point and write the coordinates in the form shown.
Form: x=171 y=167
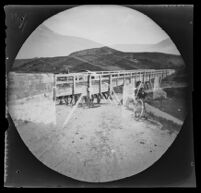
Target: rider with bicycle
x=139 y=91
x=140 y=95
x=136 y=101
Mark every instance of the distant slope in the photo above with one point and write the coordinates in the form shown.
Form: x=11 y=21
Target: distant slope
x=45 y=43
x=98 y=59
x=165 y=46
x=128 y=60
x=160 y=60
x=52 y=65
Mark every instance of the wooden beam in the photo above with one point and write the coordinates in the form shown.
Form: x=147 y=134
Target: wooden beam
x=100 y=83
x=130 y=78
x=74 y=85
x=89 y=86
x=123 y=79
x=110 y=82
x=143 y=77
x=54 y=88
x=149 y=76
x=117 y=79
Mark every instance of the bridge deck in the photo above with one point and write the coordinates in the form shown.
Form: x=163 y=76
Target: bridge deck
x=102 y=81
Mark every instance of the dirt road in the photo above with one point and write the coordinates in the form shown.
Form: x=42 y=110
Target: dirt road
x=98 y=144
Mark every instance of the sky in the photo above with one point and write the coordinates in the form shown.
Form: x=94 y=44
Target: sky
x=107 y=24
x=93 y=26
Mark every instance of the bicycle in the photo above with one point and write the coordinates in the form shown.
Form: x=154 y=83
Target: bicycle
x=136 y=104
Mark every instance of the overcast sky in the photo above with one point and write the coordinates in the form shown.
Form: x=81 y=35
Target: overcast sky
x=107 y=24
x=93 y=26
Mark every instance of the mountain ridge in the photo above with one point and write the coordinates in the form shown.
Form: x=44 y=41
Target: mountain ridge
x=43 y=42
x=98 y=59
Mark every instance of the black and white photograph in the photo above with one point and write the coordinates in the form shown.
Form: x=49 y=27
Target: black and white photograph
x=98 y=93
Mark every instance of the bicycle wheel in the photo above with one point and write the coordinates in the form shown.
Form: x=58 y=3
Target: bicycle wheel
x=138 y=109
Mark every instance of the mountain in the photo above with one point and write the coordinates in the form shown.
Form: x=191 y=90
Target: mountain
x=99 y=59
x=117 y=60
x=164 y=46
x=45 y=43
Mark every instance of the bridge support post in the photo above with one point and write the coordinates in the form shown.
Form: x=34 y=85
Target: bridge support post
x=143 y=77
x=98 y=96
x=74 y=86
x=117 y=80
x=157 y=91
x=139 y=76
x=73 y=91
x=156 y=86
x=128 y=92
x=89 y=86
x=110 y=83
x=54 y=88
x=134 y=85
x=89 y=90
x=130 y=79
x=149 y=77
x=133 y=82
x=100 y=84
x=110 y=87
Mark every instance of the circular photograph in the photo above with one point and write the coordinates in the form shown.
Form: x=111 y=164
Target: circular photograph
x=97 y=92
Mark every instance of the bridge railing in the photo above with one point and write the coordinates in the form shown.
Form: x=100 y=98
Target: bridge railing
x=95 y=75
x=80 y=82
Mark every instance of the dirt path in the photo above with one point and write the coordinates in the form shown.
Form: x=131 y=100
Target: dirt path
x=99 y=144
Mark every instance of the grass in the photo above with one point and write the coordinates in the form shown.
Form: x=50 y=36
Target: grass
x=170 y=126
x=175 y=104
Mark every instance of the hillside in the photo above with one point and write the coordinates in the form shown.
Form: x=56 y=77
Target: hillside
x=98 y=59
x=109 y=57
x=164 y=46
x=52 y=65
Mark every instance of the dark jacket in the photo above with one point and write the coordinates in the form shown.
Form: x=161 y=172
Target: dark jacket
x=141 y=93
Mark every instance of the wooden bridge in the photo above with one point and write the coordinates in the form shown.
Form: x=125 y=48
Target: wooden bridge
x=41 y=91
x=97 y=82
